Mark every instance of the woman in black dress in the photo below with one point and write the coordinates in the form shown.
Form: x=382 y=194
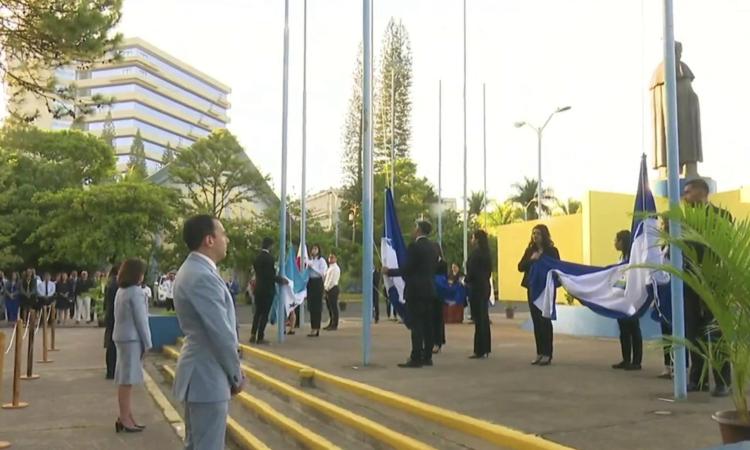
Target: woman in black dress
x=478 y=272
x=541 y=245
x=631 y=340
x=62 y=302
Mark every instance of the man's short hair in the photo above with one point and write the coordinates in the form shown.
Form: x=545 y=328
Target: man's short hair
x=196 y=229
x=267 y=243
x=424 y=227
x=699 y=183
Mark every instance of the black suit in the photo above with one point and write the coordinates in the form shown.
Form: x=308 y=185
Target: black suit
x=109 y=319
x=699 y=320
x=420 y=294
x=265 y=288
x=478 y=273
x=542 y=326
x=28 y=295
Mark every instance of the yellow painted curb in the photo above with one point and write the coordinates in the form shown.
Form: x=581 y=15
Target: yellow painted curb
x=288 y=426
x=488 y=431
x=242 y=437
x=171 y=414
x=363 y=424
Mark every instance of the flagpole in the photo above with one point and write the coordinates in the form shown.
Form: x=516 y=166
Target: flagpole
x=280 y=316
x=303 y=209
x=484 y=143
x=466 y=214
x=367 y=203
x=673 y=169
x=440 y=163
x=393 y=129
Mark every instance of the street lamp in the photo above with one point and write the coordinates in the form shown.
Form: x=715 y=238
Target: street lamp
x=539 y=131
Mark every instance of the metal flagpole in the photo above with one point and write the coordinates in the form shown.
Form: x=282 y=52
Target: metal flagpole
x=367 y=203
x=484 y=143
x=393 y=129
x=440 y=163
x=466 y=213
x=673 y=166
x=303 y=210
x=280 y=316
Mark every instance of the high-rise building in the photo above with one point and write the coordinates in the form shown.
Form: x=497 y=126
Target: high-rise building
x=168 y=101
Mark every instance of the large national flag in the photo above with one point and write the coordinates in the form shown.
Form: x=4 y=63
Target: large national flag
x=393 y=256
x=618 y=291
x=293 y=293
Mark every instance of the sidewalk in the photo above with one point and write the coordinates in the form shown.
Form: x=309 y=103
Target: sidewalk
x=72 y=406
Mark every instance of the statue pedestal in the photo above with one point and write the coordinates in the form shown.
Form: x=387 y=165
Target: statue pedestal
x=660 y=188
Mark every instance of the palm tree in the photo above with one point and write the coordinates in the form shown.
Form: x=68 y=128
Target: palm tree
x=526 y=197
x=571 y=206
x=477 y=202
x=502 y=214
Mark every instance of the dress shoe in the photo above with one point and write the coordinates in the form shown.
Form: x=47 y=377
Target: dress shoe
x=427 y=362
x=545 y=361
x=694 y=387
x=120 y=427
x=485 y=356
x=262 y=342
x=720 y=391
x=537 y=360
x=253 y=340
x=620 y=365
x=411 y=364
x=632 y=367
x=316 y=334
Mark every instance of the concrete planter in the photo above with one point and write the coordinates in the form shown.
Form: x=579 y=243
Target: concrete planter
x=164 y=330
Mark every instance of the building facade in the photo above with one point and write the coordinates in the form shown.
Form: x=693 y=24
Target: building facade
x=168 y=101
x=323 y=207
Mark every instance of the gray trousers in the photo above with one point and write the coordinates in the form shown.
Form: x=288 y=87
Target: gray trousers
x=205 y=425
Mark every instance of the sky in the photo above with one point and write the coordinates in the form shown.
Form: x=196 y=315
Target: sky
x=596 y=56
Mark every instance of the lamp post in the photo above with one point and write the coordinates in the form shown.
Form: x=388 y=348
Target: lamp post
x=539 y=131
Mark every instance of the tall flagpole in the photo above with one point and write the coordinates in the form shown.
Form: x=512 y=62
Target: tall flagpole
x=367 y=203
x=484 y=143
x=440 y=163
x=280 y=316
x=466 y=212
x=303 y=194
x=673 y=169
x=393 y=129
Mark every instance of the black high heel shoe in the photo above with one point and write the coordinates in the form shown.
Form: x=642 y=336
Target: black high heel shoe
x=315 y=334
x=120 y=427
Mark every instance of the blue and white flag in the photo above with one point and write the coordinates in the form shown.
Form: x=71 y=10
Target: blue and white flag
x=393 y=256
x=293 y=293
x=618 y=291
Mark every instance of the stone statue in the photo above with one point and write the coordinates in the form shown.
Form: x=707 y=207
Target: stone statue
x=688 y=119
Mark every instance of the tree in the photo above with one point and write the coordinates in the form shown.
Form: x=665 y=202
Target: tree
x=33 y=162
x=571 y=206
x=352 y=156
x=137 y=164
x=217 y=174
x=526 y=197
x=39 y=36
x=395 y=77
x=108 y=131
x=168 y=157
x=502 y=214
x=476 y=205
x=104 y=223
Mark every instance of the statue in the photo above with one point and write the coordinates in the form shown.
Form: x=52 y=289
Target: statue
x=688 y=119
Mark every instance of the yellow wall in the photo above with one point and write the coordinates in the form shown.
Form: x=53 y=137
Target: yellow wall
x=586 y=238
x=513 y=240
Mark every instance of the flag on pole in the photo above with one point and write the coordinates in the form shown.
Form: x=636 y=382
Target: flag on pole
x=618 y=291
x=293 y=293
x=302 y=257
x=393 y=256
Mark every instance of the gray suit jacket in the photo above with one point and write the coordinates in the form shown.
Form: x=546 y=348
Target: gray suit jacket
x=209 y=363
x=131 y=317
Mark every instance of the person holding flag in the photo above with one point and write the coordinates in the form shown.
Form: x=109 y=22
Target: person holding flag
x=631 y=340
x=317 y=269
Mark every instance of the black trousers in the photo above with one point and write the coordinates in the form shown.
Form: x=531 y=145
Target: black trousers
x=170 y=304
x=111 y=353
x=631 y=341
x=332 y=303
x=438 y=324
x=666 y=330
x=260 y=317
x=698 y=329
x=315 y=301
x=482 y=337
x=543 y=334
x=420 y=321
x=376 y=305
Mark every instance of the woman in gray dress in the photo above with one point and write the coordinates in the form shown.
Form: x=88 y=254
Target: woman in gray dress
x=132 y=338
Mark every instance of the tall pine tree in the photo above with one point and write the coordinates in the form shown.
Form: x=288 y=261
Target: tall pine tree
x=352 y=157
x=393 y=96
x=168 y=156
x=108 y=130
x=137 y=164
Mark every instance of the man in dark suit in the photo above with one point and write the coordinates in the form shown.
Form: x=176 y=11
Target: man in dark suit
x=698 y=318
x=420 y=293
x=265 y=288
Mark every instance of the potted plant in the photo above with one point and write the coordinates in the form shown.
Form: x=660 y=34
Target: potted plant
x=721 y=278
x=510 y=311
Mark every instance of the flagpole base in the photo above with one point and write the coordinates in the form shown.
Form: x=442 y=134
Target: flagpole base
x=20 y=405
x=30 y=378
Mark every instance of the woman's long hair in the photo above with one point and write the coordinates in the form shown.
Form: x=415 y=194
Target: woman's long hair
x=483 y=244
x=624 y=239
x=546 y=237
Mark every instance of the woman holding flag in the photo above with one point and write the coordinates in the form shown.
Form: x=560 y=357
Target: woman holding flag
x=631 y=341
x=541 y=245
x=318 y=267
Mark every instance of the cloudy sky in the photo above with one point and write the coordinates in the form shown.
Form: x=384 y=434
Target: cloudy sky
x=534 y=55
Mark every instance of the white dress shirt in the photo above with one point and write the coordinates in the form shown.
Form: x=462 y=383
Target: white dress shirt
x=332 y=277
x=45 y=288
x=318 y=267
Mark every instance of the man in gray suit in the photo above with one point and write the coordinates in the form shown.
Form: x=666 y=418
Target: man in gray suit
x=208 y=371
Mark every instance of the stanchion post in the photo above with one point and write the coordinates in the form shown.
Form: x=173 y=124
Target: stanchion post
x=3 y=444
x=30 y=375
x=53 y=314
x=46 y=314
x=16 y=403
